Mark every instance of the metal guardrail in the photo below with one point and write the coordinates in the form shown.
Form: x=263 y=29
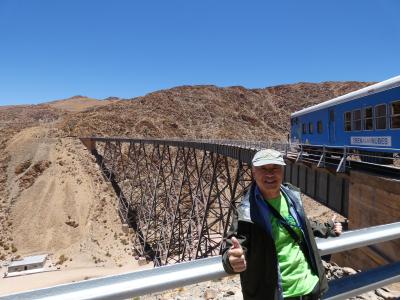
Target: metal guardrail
x=172 y=276
x=350 y=157
x=360 y=283
x=359 y=238
x=241 y=150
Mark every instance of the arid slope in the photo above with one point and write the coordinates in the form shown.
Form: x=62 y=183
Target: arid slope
x=79 y=103
x=206 y=112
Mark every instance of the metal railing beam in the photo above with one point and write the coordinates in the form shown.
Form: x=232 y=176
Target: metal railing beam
x=172 y=276
x=362 y=282
x=359 y=238
x=131 y=284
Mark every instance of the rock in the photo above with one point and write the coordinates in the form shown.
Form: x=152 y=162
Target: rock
x=229 y=293
x=210 y=294
x=368 y=296
x=166 y=296
x=349 y=271
x=217 y=280
x=385 y=294
x=142 y=261
x=125 y=228
x=338 y=273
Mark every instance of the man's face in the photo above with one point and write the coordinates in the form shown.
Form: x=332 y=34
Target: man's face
x=268 y=178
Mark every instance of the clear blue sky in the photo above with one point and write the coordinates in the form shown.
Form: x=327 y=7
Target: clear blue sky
x=54 y=49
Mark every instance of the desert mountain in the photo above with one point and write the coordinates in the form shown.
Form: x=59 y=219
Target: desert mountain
x=206 y=112
x=80 y=103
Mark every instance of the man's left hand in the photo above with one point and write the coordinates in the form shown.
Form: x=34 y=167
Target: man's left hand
x=337 y=226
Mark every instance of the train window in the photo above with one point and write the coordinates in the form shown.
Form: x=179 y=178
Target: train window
x=319 y=127
x=310 y=127
x=380 y=116
x=304 y=128
x=347 y=121
x=356 y=119
x=331 y=115
x=395 y=115
x=368 y=119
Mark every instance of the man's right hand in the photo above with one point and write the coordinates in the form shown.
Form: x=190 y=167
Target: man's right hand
x=236 y=256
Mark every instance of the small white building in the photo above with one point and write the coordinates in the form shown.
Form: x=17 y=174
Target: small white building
x=27 y=263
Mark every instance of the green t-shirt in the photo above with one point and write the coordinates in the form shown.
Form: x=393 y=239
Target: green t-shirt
x=297 y=276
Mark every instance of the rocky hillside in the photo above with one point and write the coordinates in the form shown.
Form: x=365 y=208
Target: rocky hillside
x=206 y=112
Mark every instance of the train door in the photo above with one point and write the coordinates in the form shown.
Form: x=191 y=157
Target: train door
x=295 y=132
x=299 y=133
x=331 y=126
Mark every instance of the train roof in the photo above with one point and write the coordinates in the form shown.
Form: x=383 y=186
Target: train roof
x=369 y=90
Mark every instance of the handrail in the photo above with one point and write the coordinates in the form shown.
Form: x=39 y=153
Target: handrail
x=155 y=280
x=359 y=238
x=131 y=284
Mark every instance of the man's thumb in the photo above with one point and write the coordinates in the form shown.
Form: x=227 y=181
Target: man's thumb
x=235 y=243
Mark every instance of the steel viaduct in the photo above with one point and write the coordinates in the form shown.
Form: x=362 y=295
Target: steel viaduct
x=178 y=195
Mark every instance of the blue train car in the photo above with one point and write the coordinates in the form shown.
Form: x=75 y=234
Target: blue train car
x=367 y=119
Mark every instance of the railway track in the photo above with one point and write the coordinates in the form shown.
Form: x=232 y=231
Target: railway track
x=351 y=163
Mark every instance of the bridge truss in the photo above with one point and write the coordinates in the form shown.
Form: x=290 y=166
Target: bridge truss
x=178 y=196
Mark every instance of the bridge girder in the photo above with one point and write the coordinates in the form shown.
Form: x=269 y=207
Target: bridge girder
x=177 y=198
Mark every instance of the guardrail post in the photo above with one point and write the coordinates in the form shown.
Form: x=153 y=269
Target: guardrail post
x=321 y=162
x=300 y=155
x=342 y=165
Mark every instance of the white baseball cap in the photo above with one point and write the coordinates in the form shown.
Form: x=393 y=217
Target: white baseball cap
x=267 y=157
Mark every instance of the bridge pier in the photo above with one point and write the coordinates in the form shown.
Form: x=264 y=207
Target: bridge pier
x=89 y=143
x=373 y=200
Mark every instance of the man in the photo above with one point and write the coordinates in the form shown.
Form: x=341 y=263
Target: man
x=271 y=242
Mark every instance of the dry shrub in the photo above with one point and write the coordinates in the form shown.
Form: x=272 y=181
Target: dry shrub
x=72 y=223
x=22 y=167
x=34 y=172
x=61 y=259
x=97 y=260
x=147 y=127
